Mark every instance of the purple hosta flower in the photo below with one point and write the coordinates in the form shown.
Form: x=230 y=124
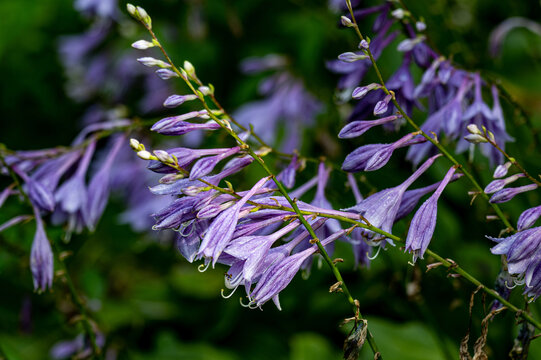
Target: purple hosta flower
x=14 y=221
x=497 y=36
x=287 y=176
x=361 y=249
x=166 y=74
x=528 y=218
x=401 y=83
x=523 y=252
x=204 y=166
x=359 y=92
x=177 y=100
x=381 y=208
x=429 y=80
x=412 y=197
x=256 y=65
x=221 y=230
x=176 y=125
x=99 y=187
x=352 y=57
x=280 y=274
x=505 y=195
x=408 y=44
x=359 y=127
x=71 y=196
x=286 y=102
x=41 y=257
x=354 y=188
x=331 y=226
x=501 y=170
x=252 y=249
x=499 y=184
x=76 y=348
x=480 y=114
x=424 y=221
x=382 y=105
x=374 y=156
x=105 y=9
x=38 y=194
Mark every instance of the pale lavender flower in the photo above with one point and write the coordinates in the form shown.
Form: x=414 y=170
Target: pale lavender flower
x=498 y=35
x=38 y=194
x=221 y=230
x=424 y=221
x=280 y=274
x=359 y=127
x=523 y=253
x=177 y=100
x=99 y=187
x=204 y=166
x=528 y=218
x=14 y=221
x=381 y=208
x=41 y=257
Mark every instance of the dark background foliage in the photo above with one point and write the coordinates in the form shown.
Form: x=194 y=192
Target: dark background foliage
x=150 y=303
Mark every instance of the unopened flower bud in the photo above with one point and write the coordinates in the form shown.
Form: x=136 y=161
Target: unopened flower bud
x=346 y=21
x=150 y=62
x=134 y=144
x=131 y=10
x=189 y=68
x=501 y=170
x=170 y=178
x=166 y=74
x=351 y=57
x=475 y=138
x=142 y=45
x=473 y=129
x=420 y=25
x=363 y=44
x=192 y=190
x=144 y=17
x=398 y=13
x=176 y=100
x=205 y=90
x=163 y=156
x=361 y=91
x=145 y=155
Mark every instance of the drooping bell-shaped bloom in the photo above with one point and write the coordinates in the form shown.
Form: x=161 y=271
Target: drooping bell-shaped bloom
x=523 y=252
x=38 y=194
x=99 y=187
x=41 y=257
x=204 y=166
x=253 y=249
x=412 y=197
x=280 y=274
x=221 y=230
x=381 y=208
x=424 y=221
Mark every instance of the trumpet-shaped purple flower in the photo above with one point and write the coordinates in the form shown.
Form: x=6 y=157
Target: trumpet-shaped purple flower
x=424 y=222
x=381 y=208
x=41 y=257
x=280 y=274
x=99 y=187
x=204 y=166
x=523 y=252
x=221 y=230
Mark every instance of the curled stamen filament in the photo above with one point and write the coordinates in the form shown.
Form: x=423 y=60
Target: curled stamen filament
x=231 y=294
x=203 y=267
x=375 y=255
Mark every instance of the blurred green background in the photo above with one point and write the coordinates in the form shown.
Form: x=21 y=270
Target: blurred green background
x=150 y=303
